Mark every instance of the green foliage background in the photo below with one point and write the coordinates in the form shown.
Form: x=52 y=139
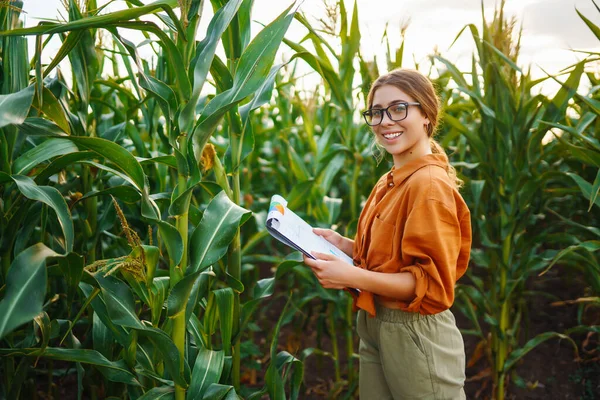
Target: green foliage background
x=132 y=239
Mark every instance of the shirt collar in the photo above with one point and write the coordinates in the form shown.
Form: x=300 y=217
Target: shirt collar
x=399 y=175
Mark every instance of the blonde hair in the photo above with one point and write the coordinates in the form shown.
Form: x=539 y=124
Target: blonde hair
x=420 y=88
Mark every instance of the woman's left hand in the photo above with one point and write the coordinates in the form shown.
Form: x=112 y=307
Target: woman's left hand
x=332 y=272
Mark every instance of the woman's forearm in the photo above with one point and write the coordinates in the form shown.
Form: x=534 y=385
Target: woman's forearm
x=400 y=285
x=347 y=246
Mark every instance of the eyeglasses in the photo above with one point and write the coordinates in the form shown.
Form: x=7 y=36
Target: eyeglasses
x=395 y=112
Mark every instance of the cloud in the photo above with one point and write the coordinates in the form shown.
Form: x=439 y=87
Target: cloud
x=558 y=18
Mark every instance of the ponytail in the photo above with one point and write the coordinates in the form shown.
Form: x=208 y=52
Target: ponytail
x=436 y=148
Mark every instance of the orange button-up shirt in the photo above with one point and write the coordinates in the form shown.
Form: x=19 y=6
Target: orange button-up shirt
x=415 y=221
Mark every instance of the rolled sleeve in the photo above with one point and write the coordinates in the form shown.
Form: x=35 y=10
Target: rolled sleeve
x=430 y=252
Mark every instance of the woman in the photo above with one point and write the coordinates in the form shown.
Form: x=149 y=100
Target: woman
x=413 y=242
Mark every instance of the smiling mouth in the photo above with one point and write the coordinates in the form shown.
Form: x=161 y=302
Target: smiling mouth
x=391 y=136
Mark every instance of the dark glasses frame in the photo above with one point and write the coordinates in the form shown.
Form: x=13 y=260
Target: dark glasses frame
x=368 y=113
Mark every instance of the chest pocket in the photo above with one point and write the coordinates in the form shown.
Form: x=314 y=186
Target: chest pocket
x=381 y=243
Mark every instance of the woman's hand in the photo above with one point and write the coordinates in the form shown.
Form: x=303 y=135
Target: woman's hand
x=331 y=272
x=339 y=241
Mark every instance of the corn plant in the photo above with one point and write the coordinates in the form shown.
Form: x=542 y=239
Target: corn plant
x=578 y=137
x=186 y=348
x=509 y=170
x=319 y=155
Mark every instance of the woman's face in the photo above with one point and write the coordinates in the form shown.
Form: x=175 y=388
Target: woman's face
x=407 y=139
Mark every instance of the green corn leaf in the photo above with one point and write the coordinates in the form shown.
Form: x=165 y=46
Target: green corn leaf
x=591 y=157
x=25 y=288
x=350 y=48
x=115 y=371
x=319 y=43
x=139 y=288
x=61 y=162
x=126 y=194
x=244 y=20
x=595 y=190
x=207 y=370
x=42 y=320
x=261 y=97
x=237 y=35
x=224 y=299
x=466 y=88
x=115 y=132
x=503 y=56
x=170 y=355
x=273 y=379
x=118 y=155
x=104 y=167
x=593 y=27
x=221 y=75
x=119 y=301
x=179 y=295
x=149 y=208
x=152 y=374
x=67 y=45
x=234 y=283
x=220 y=392
x=158 y=292
x=476 y=297
x=162 y=92
x=286 y=361
x=166 y=160
x=83 y=58
x=14 y=107
x=264 y=288
x=151 y=255
x=102 y=338
x=148 y=81
x=144 y=356
x=172 y=239
x=578 y=131
x=71 y=267
x=199 y=291
x=97 y=21
x=476 y=190
x=297 y=166
x=253 y=67
x=196 y=330
x=120 y=334
x=517 y=354
x=297 y=197
x=52 y=109
x=325 y=70
x=15 y=59
x=216 y=230
x=51 y=197
x=180 y=203
x=327 y=174
x=586 y=188
x=557 y=106
x=590 y=246
x=159 y=393
x=205 y=52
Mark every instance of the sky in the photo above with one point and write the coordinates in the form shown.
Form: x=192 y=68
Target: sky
x=552 y=30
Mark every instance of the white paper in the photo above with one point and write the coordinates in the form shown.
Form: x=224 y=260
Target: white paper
x=289 y=228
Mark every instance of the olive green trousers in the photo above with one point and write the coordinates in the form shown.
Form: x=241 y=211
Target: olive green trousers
x=405 y=356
